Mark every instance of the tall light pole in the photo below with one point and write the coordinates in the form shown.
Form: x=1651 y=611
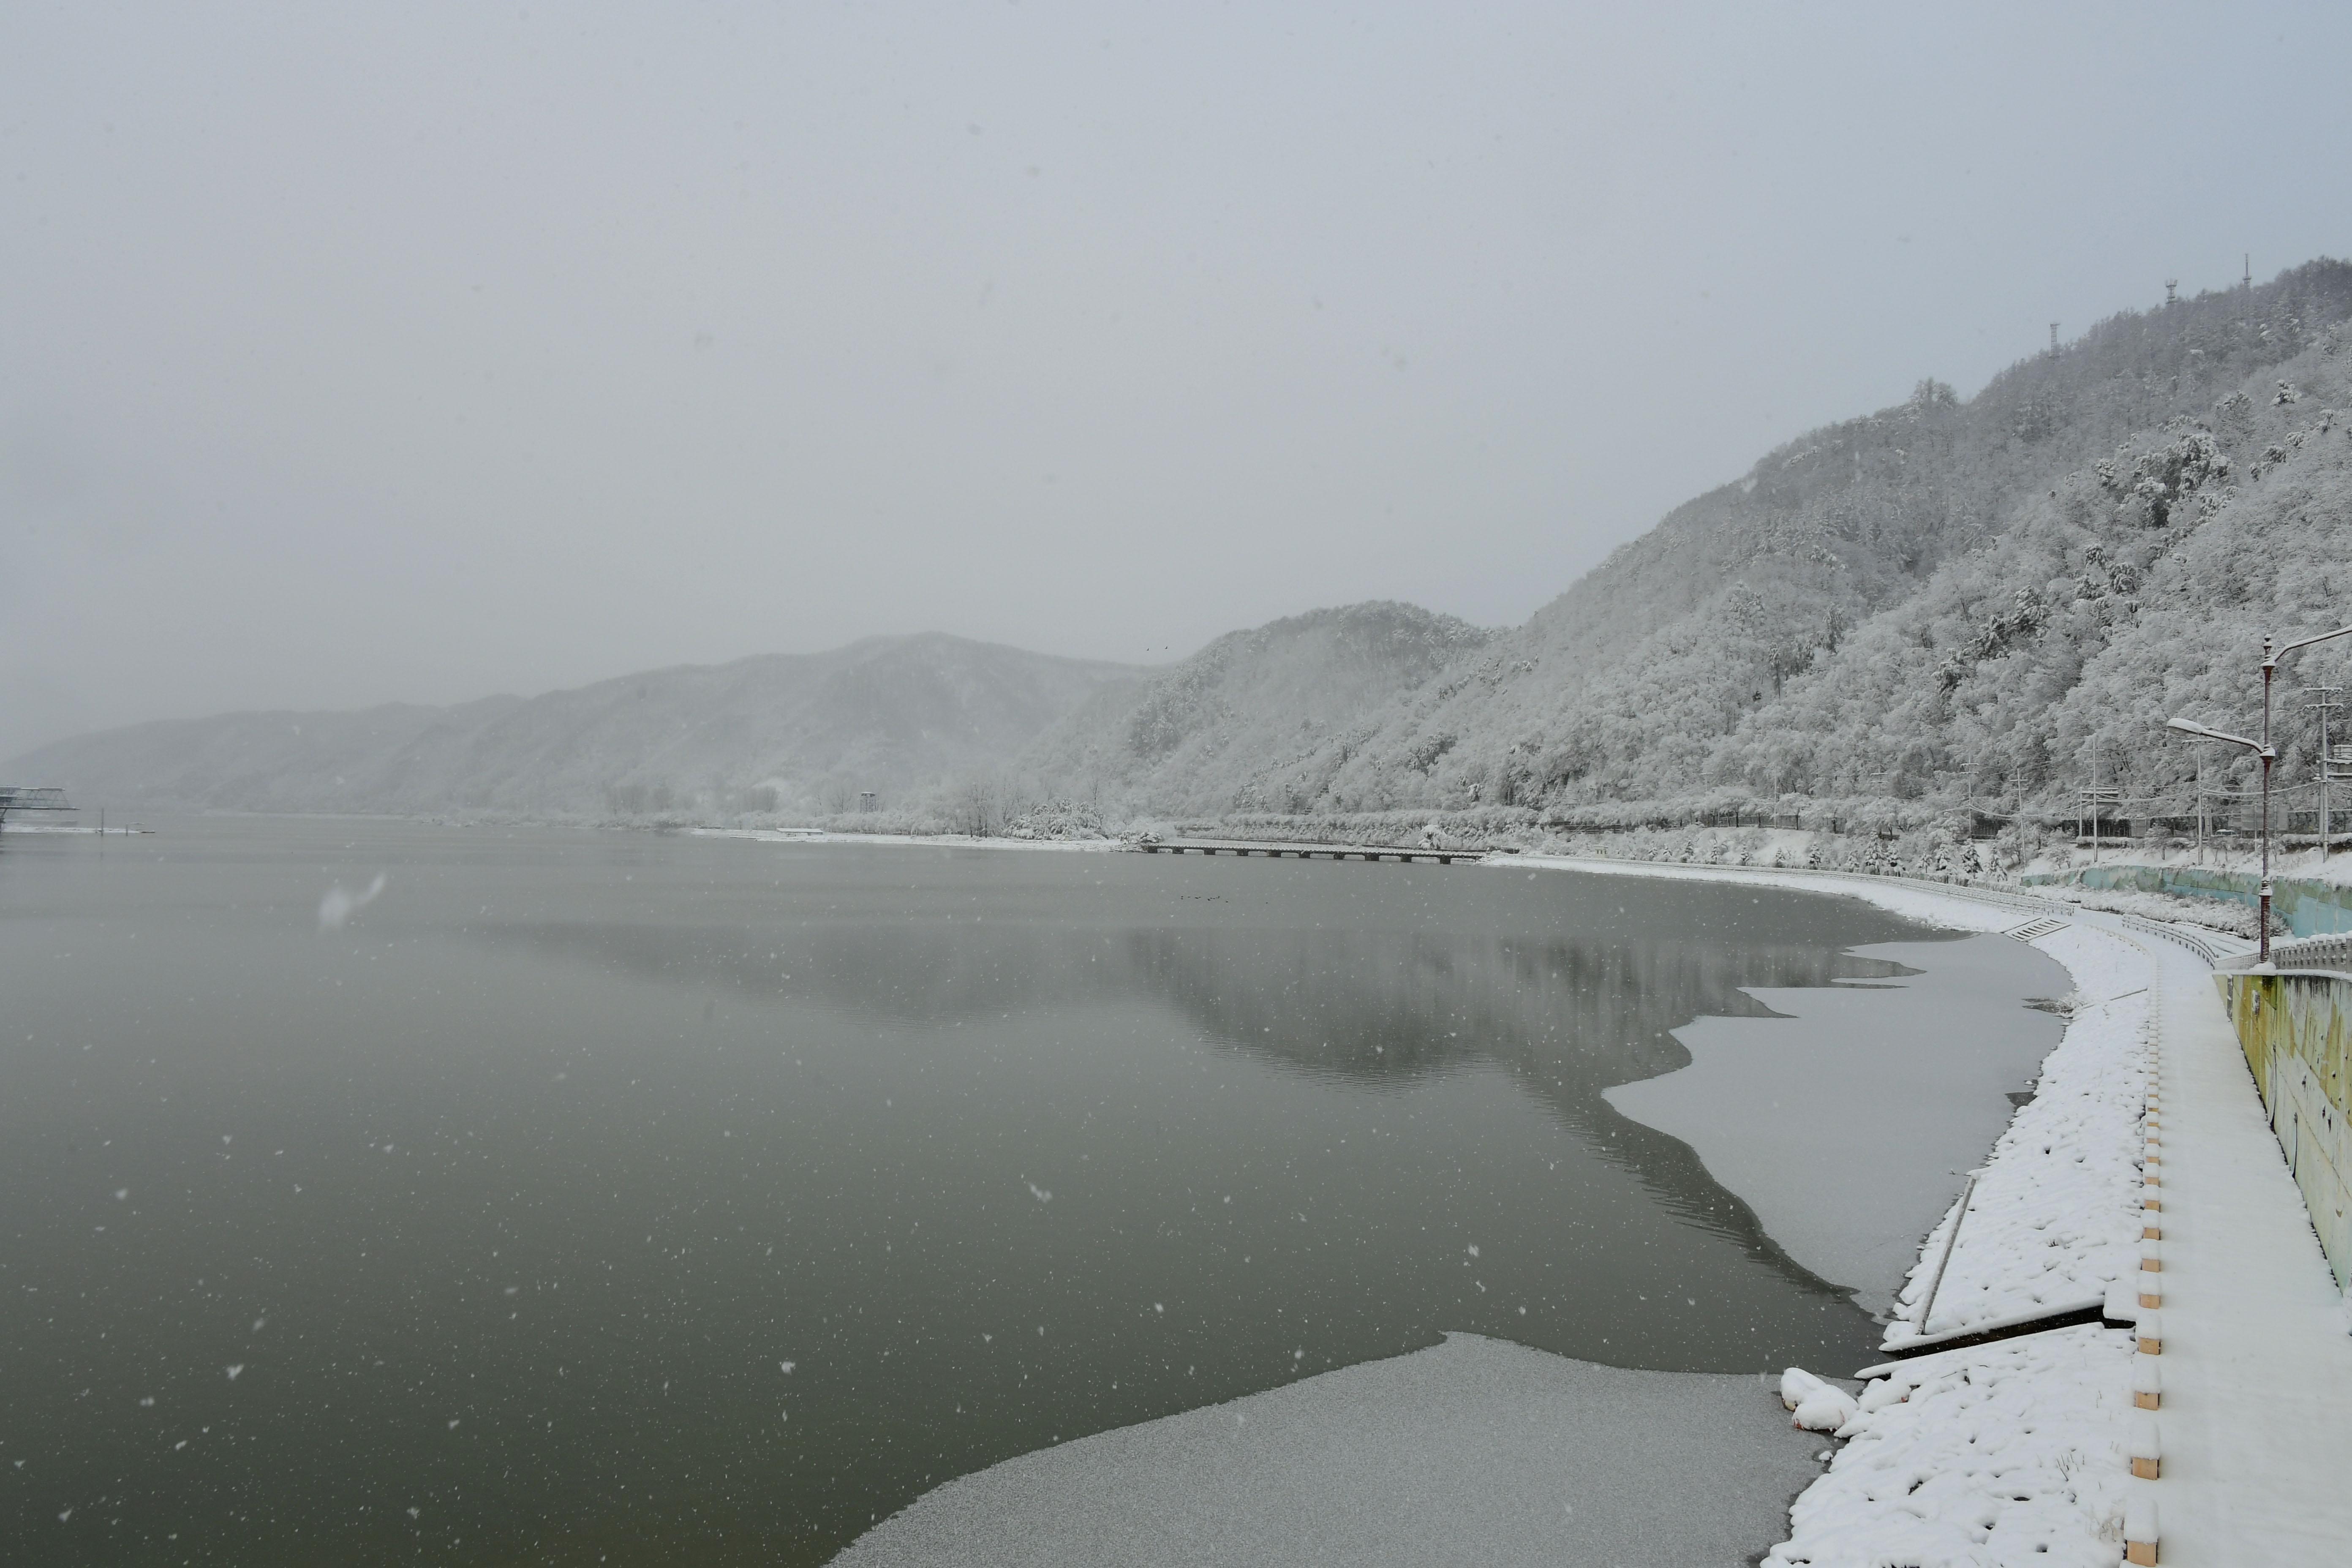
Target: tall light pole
x=2259 y=749
x=2270 y=668
x=2262 y=749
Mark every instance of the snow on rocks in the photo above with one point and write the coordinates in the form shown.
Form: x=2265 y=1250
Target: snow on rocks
x=2011 y=1452
x=2055 y=1216
x=1819 y=1406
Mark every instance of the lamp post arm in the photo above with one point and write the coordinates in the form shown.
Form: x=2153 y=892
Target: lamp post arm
x=2262 y=749
x=2272 y=659
x=2187 y=727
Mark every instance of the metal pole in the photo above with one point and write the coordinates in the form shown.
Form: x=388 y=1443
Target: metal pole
x=2322 y=781
x=1951 y=1239
x=2270 y=667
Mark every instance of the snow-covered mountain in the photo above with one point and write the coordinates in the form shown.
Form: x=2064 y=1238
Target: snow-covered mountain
x=1941 y=602
x=792 y=732
x=1202 y=736
x=1946 y=602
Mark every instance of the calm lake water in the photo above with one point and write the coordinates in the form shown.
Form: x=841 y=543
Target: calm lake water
x=598 y=1197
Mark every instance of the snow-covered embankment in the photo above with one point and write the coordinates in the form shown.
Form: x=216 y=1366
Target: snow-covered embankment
x=2019 y=1449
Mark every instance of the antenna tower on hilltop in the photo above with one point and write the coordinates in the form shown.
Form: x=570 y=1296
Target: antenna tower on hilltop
x=2053 y=338
x=2247 y=282
x=2171 y=291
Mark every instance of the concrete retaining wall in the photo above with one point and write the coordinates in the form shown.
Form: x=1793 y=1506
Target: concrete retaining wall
x=2296 y=1028
x=2308 y=908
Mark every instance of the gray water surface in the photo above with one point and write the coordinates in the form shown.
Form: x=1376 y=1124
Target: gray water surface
x=1847 y=1121
x=596 y=1197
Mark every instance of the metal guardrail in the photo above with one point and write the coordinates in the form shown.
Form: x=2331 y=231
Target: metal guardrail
x=2311 y=953
x=2215 y=957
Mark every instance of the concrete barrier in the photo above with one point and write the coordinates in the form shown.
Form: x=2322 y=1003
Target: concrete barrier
x=2308 y=908
x=2296 y=1028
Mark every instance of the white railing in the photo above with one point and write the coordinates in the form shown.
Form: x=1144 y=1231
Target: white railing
x=2212 y=955
x=2334 y=952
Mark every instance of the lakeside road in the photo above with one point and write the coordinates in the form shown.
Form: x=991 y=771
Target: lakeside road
x=2257 y=1398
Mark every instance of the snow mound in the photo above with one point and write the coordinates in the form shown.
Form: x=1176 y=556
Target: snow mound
x=2011 y=1452
x=1819 y=1406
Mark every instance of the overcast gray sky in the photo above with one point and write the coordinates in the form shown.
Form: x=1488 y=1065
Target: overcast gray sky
x=351 y=353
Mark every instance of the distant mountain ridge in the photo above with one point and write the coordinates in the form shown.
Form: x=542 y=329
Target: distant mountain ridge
x=1946 y=602
x=790 y=733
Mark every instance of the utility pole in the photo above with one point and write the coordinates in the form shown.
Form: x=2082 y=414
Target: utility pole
x=2325 y=703
x=2092 y=799
x=2200 y=806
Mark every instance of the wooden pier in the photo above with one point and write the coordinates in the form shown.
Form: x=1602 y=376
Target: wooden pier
x=1311 y=851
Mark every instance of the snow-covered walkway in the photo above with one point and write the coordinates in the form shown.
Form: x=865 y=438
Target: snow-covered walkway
x=2256 y=1412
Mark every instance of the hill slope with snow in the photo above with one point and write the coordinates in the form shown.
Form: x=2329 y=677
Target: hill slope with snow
x=888 y=714
x=1943 y=601
x=1203 y=736
x=1951 y=601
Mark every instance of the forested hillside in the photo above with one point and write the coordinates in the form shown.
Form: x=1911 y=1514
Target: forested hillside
x=798 y=735
x=1946 y=602
x=1939 y=602
x=1202 y=736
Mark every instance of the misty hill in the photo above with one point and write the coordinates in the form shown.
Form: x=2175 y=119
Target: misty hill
x=1941 y=601
x=1947 y=601
x=1199 y=737
x=792 y=733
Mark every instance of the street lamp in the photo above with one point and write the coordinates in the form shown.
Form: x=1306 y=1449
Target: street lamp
x=2270 y=665
x=2262 y=749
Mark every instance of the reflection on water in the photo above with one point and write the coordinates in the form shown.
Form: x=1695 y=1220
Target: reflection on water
x=607 y=1198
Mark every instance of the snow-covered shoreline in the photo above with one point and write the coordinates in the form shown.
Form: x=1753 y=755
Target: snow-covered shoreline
x=2143 y=1174
x=2016 y=1449
x=906 y=840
